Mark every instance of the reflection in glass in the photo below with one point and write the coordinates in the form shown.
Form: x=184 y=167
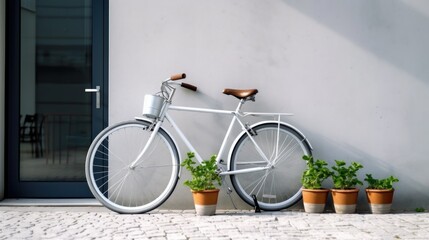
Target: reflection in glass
x=56 y=63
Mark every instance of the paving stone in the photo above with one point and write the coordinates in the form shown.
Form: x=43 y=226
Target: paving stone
x=93 y=223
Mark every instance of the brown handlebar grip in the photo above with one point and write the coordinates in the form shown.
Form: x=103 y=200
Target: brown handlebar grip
x=189 y=86
x=178 y=76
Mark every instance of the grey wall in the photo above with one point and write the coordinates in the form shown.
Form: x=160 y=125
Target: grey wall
x=355 y=73
x=2 y=97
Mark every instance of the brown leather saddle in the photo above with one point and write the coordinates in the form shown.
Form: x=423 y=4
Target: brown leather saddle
x=240 y=93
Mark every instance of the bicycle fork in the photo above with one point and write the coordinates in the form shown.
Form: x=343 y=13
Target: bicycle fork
x=149 y=142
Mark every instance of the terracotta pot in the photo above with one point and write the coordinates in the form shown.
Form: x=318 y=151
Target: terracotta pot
x=205 y=201
x=345 y=200
x=314 y=200
x=380 y=200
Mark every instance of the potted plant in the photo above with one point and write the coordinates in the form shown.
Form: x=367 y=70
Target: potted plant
x=380 y=193
x=202 y=184
x=345 y=193
x=313 y=195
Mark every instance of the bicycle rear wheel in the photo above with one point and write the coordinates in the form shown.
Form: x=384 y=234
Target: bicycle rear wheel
x=278 y=187
x=122 y=188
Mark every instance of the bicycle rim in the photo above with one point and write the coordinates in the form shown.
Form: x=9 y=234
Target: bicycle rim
x=278 y=187
x=132 y=190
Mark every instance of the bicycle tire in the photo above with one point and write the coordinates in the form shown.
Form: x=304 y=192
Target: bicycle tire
x=132 y=190
x=278 y=187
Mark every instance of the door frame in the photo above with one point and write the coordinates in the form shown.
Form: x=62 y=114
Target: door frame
x=14 y=188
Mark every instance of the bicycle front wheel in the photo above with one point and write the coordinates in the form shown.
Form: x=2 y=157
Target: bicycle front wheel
x=132 y=189
x=279 y=186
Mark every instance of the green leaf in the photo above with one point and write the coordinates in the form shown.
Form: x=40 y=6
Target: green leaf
x=386 y=183
x=204 y=175
x=315 y=173
x=345 y=177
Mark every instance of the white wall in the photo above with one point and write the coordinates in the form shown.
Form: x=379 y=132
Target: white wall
x=2 y=97
x=355 y=73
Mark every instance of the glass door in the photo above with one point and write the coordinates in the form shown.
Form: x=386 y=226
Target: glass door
x=62 y=52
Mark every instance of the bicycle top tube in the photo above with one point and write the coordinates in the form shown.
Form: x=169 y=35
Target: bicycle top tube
x=227 y=112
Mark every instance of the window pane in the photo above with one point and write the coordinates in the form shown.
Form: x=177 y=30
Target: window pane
x=56 y=63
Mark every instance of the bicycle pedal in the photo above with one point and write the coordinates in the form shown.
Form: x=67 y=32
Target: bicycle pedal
x=255 y=202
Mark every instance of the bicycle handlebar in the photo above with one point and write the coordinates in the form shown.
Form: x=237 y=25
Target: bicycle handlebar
x=185 y=85
x=189 y=86
x=178 y=76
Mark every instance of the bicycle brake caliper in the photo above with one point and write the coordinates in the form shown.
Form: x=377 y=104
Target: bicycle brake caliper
x=152 y=126
x=250 y=130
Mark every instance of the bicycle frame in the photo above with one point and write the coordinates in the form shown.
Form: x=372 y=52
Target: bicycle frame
x=235 y=118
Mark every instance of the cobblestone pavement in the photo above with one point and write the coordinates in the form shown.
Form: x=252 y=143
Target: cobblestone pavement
x=100 y=223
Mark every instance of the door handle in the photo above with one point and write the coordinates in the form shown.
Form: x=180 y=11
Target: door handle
x=95 y=90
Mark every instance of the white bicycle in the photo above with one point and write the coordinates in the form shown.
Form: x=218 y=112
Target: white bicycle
x=134 y=166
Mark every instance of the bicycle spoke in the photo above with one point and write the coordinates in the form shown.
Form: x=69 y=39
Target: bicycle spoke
x=287 y=152
x=113 y=186
x=110 y=154
x=262 y=183
x=277 y=187
x=156 y=166
x=132 y=190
